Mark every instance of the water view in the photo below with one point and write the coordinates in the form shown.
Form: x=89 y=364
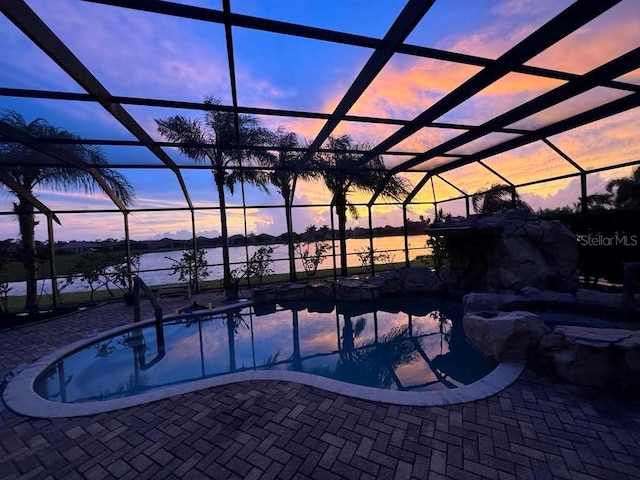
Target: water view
x=152 y=264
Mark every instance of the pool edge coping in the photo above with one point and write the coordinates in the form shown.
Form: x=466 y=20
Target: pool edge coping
x=20 y=396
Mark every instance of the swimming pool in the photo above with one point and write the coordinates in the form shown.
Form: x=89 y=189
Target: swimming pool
x=397 y=351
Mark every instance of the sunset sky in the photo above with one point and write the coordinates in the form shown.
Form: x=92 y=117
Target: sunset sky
x=140 y=54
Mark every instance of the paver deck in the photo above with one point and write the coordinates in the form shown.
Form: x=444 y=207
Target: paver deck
x=537 y=428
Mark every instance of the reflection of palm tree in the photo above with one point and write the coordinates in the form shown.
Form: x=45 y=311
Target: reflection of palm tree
x=104 y=349
x=296 y=360
x=349 y=335
x=445 y=325
x=461 y=363
x=342 y=175
x=55 y=371
x=233 y=320
x=374 y=363
x=30 y=174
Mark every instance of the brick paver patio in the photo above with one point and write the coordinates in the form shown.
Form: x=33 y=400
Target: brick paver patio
x=538 y=428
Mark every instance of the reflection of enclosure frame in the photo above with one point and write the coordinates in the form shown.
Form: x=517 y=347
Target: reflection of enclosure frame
x=383 y=49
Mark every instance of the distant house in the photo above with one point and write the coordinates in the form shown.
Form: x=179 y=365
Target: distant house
x=80 y=247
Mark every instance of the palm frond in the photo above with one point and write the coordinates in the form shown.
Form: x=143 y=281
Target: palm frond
x=32 y=173
x=187 y=131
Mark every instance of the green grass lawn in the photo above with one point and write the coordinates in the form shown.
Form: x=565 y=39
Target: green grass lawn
x=14 y=271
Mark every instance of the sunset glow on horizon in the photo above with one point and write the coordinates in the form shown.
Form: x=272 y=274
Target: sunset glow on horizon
x=152 y=56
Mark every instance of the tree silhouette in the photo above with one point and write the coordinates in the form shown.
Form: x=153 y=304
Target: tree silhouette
x=498 y=198
x=283 y=170
x=626 y=190
x=32 y=173
x=218 y=141
x=342 y=175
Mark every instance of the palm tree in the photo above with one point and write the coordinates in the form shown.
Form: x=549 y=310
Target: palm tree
x=218 y=142
x=283 y=173
x=595 y=201
x=342 y=176
x=626 y=190
x=32 y=173
x=498 y=198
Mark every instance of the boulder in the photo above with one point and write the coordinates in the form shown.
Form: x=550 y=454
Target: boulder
x=356 y=290
x=505 y=335
x=597 y=357
x=420 y=280
x=319 y=290
x=547 y=297
x=409 y=281
x=264 y=294
x=291 y=291
x=509 y=251
x=389 y=282
x=492 y=302
x=593 y=298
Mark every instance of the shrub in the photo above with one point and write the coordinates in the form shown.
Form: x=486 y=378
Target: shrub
x=311 y=261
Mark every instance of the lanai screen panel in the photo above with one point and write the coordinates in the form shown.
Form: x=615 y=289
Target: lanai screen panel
x=492 y=80
x=608 y=142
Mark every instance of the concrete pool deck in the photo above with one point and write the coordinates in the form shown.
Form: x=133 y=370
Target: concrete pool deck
x=537 y=427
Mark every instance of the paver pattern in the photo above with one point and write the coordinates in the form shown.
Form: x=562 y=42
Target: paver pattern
x=538 y=428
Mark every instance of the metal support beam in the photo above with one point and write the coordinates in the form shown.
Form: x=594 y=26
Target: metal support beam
x=31 y=25
x=27 y=140
x=267 y=25
x=333 y=244
x=494 y=172
x=598 y=113
x=619 y=66
x=371 y=256
x=417 y=188
x=127 y=244
x=405 y=224
x=55 y=294
x=27 y=195
x=194 y=239
x=569 y=20
x=584 y=203
x=409 y=17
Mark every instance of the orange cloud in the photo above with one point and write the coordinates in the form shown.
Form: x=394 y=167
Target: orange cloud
x=516 y=165
x=573 y=106
x=606 y=142
x=609 y=36
x=406 y=86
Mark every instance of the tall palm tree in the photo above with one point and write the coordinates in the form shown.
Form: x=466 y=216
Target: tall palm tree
x=626 y=190
x=216 y=141
x=284 y=169
x=32 y=172
x=498 y=198
x=342 y=176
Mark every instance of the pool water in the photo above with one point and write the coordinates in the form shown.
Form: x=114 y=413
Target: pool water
x=399 y=344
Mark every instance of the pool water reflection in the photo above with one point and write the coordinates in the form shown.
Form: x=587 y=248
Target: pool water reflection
x=400 y=344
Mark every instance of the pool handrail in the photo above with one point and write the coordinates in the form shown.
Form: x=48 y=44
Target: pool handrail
x=138 y=284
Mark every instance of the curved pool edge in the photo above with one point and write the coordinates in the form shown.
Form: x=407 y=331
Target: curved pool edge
x=19 y=394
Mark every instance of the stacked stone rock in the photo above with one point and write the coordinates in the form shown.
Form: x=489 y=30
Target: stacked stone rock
x=508 y=251
x=597 y=357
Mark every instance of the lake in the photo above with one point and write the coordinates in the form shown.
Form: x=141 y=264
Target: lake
x=155 y=268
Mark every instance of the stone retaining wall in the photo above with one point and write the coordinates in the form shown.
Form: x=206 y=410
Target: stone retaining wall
x=394 y=282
